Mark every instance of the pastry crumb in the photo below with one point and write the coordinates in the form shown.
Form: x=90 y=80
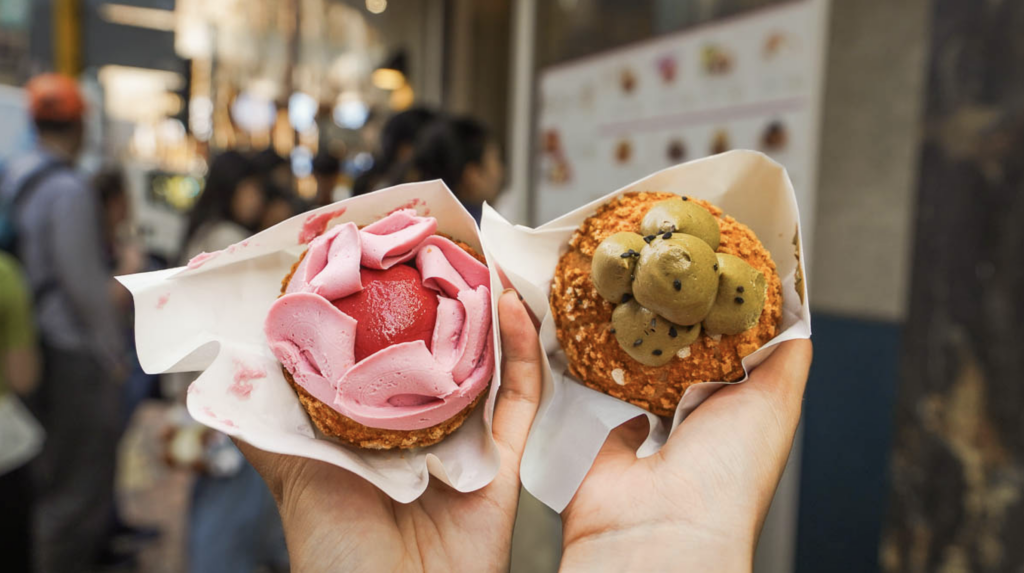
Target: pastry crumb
x=619 y=376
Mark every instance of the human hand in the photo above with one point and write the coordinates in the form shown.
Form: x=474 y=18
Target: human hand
x=700 y=502
x=336 y=521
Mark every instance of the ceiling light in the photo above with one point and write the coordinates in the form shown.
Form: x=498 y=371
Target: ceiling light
x=376 y=6
x=151 y=18
x=388 y=78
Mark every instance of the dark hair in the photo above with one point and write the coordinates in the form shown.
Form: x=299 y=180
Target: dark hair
x=227 y=171
x=447 y=146
x=56 y=127
x=400 y=130
x=326 y=163
x=267 y=160
x=110 y=184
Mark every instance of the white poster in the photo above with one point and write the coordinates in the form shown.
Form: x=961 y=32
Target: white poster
x=748 y=82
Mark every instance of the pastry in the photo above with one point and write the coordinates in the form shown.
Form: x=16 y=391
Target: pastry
x=385 y=332
x=658 y=292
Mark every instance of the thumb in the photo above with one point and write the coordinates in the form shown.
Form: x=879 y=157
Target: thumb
x=274 y=468
x=519 y=393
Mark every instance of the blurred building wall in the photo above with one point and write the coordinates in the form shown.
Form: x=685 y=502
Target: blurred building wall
x=102 y=42
x=957 y=491
x=479 y=37
x=859 y=276
x=870 y=137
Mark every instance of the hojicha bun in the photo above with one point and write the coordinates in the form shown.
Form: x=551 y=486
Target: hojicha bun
x=658 y=292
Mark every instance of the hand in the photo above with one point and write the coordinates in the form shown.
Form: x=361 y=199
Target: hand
x=699 y=503
x=336 y=521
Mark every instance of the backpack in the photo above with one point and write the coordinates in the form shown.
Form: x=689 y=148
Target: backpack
x=10 y=205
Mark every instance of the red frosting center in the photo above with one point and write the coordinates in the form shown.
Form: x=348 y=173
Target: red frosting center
x=392 y=308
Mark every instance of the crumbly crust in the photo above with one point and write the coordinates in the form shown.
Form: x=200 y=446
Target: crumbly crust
x=583 y=318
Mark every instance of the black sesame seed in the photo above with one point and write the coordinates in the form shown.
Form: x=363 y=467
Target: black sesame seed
x=656 y=352
x=677 y=285
x=685 y=198
x=626 y=255
x=611 y=330
x=649 y=238
x=632 y=277
x=667 y=235
x=626 y=297
x=716 y=266
x=739 y=289
x=654 y=322
x=672 y=332
x=739 y=300
x=638 y=342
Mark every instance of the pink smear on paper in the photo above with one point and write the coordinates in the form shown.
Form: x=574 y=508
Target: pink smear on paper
x=244 y=375
x=162 y=301
x=192 y=389
x=412 y=204
x=245 y=243
x=229 y=423
x=209 y=412
x=200 y=259
x=316 y=224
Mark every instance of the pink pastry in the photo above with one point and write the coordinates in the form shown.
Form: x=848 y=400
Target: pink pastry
x=385 y=332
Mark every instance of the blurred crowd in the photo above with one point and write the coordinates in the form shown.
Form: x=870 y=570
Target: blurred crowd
x=69 y=377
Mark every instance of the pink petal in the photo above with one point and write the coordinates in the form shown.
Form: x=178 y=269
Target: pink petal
x=395 y=238
x=473 y=340
x=472 y=271
x=339 y=275
x=379 y=390
x=451 y=316
x=313 y=340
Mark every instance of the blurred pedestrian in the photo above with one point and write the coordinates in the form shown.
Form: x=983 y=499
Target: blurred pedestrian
x=463 y=153
x=233 y=524
x=21 y=436
x=274 y=171
x=124 y=256
x=397 y=146
x=230 y=207
x=281 y=206
x=326 y=168
x=59 y=244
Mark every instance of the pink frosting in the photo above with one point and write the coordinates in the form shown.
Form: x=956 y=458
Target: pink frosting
x=405 y=386
x=200 y=259
x=315 y=224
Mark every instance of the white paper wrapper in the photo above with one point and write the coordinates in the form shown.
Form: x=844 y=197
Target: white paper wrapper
x=574 y=421
x=211 y=318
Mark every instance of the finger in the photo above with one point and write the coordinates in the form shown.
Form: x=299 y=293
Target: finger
x=272 y=467
x=784 y=375
x=766 y=408
x=519 y=393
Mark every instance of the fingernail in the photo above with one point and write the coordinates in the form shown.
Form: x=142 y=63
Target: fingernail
x=508 y=290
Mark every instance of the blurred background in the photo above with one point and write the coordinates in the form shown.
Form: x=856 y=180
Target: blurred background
x=162 y=128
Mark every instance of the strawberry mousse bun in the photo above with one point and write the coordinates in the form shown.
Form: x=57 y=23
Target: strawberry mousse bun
x=385 y=332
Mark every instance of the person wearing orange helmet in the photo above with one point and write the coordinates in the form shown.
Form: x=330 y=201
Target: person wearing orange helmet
x=57 y=220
